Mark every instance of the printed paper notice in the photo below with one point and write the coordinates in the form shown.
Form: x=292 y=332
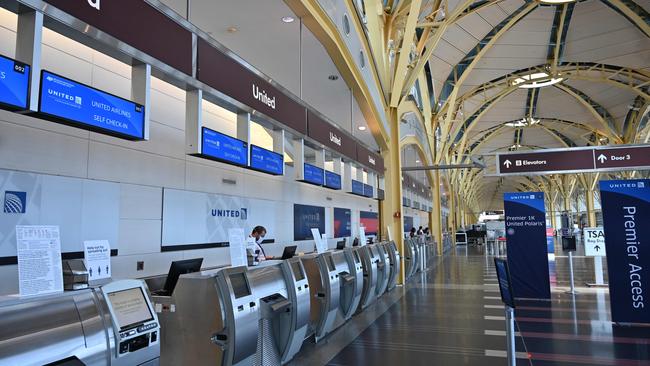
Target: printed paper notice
x=362 y=236
x=39 y=260
x=390 y=235
x=237 y=247
x=321 y=245
x=97 y=254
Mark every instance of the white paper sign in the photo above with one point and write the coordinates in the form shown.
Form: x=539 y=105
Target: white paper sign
x=250 y=244
x=390 y=235
x=594 y=242
x=39 y=260
x=237 y=247
x=362 y=236
x=97 y=254
x=321 y=245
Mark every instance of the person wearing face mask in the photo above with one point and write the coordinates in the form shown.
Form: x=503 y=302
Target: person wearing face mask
x=258 y=234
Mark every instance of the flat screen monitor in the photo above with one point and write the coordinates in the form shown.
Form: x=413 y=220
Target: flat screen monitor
x=368 y=191
x=69 y=102
x=266 y=161
x=340 y=244
x=297 y=271
x=314 y=175
x=221 y=147
x=332 y=180
x=178 y=268
x=239 y=284
x=130 y=308
x=357 y=187
x=569 y=243
x=461 y=238
x=289 y=252
x=14 y=84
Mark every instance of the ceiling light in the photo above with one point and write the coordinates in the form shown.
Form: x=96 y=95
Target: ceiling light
x=417 y=161
x=556 y=1
x=232 y=29
x=524 y=122
x=535 y=80
x=362 y=128
x=288 y=19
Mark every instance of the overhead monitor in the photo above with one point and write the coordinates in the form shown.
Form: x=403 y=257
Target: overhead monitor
x=221 y=147
x=314 y=175
x=332 y=180
x=130 y=308
x=266 y=161
x=69 y=102
x=368 y=191
x=14 y=84
x=357 y=187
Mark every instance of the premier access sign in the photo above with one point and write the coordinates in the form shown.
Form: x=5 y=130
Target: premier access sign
x=571 y=160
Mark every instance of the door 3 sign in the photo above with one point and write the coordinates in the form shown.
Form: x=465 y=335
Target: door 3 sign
x=574 y=160
x=594 y=242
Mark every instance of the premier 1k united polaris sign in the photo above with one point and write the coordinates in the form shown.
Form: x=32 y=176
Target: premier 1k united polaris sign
x=626 y=214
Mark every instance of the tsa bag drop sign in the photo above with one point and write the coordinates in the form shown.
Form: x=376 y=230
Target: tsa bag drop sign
x=626 y=214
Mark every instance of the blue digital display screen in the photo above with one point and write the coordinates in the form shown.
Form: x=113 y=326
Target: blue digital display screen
x=357 y=187
x=71 y=102
x=314 y=175
x=14 y=83
x=222 y=147
x=266 y=161
x=368 y=190
x=332 y=180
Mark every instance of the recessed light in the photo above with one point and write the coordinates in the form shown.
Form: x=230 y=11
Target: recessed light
x=288 y=19
x=362 y=128
x=232 y=29
x=418 y=161
x=333 y=77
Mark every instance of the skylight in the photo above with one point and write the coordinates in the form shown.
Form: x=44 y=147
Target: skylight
x=524 y=122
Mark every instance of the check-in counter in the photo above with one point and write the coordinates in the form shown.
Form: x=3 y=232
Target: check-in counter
x=383 y=268
x=325 y=291
x=395 y=264
x=369 y=260
x=110 y=325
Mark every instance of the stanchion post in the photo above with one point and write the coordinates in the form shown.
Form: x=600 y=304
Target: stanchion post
x=510 y=334
x=573 y=289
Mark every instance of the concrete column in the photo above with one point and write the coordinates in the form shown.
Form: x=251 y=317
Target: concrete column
x=29 y=44
x=141 y=91
x=193 y=121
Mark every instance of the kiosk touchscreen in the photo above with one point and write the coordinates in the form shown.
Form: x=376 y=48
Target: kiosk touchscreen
x=134 y=321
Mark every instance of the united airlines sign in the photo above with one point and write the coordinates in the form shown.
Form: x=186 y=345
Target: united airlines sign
x=230 y=213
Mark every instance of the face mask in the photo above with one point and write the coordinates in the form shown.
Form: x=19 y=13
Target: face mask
x=260 y=240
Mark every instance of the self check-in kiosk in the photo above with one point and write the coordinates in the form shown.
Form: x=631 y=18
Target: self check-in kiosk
x=294 y=272
x=349 y=304
x=383 y=268
x=410 y=258
x=395 y=264
x=112 y=325
x=350 y=282
x=369 y=259
x=325 y=291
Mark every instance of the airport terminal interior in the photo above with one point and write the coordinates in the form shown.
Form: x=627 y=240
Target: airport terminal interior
x=324 y=182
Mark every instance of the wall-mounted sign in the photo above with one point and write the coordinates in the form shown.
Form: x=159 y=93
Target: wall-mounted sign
x=314 y=175
x=342 y=222
x=126 y=20
x=332 y=180
x=330 y=136
x=626 y=213
x=14 y=84
x=66 y=101
x=218 y=146
x=370 y=221
x=357 y=187
x=266 y=161
x=370 y=159
x=368 y=191
x=226 y=75
x=623 y=157
x=306 y=218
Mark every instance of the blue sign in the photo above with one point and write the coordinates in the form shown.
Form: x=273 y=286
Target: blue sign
x=357 y=187
x=266 y=161
x=15 y=202
x=368 y=191
x=342 y=222
x=626 y=213
x=526 y=243
x=219 y=146
x=14 y=83
x=332 y=180
x=67 y=101
x=505 y=283
x=305 y=218
x=314 y=175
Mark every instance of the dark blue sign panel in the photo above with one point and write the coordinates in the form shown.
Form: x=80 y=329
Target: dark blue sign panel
x=216 y=145
x=368 y=191
x=408 y=223
x=526 y=238
x=306 y=218
x=342 y=222
x=314 y=175
x=505 y=284
x=332 y=180
x=370 y=221
x=67 y=101
x=14 y=84
x=266 y=161
x=357 y=187
x=626 y=214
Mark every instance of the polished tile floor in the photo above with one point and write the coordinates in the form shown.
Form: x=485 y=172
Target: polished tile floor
x=452 y=315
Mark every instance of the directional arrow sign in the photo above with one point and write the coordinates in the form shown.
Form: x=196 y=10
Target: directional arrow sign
x=594 y=241
x=602 y=158
x=635 y=157
x=507 y=163
x=540 y=161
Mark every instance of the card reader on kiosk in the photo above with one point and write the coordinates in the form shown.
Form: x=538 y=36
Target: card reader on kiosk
x=134 y=322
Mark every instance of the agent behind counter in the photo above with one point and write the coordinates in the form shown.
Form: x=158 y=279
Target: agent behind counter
x=258 y=233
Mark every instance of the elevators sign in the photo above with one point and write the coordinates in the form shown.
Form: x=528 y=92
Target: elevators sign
x=626 y=213
x=526 y=244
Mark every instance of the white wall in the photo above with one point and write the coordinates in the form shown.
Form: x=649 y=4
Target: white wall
x=142 y=168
